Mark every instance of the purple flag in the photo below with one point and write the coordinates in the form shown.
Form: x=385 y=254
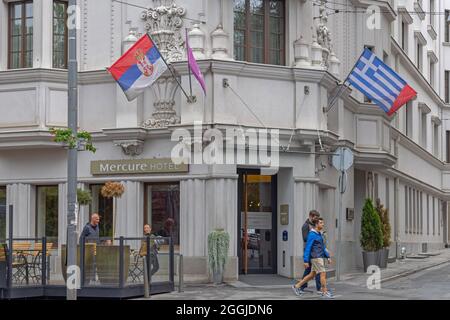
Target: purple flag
x=194 y=66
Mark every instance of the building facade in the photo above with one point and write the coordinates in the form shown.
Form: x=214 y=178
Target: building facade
x=269 y=66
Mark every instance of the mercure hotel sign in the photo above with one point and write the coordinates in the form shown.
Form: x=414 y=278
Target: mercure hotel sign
x=136 y=166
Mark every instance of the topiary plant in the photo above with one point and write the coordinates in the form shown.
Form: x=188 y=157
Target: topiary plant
x=84 y=197
x=385 y=224
x=371 y=229
x=218 y=245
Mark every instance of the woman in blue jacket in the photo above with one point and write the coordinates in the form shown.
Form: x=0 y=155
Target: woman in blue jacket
x=315 y=253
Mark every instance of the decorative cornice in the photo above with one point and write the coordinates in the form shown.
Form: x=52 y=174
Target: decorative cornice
x=130 y=147
x=419 y=10
x=415 y=148
x=423 y=107
x=411 y=67
x=432 y=32
x=436 y=120
x=384 y=5
x=420 y=37
x=380 y=159
x=404 y=13
x=432 y=56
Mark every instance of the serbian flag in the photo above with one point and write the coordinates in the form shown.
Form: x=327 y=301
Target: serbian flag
x=378 y=82
x=193 y=66
x=138 y=68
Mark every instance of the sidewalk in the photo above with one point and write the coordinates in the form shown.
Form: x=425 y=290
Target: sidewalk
x=273 y=287
x=401 y=268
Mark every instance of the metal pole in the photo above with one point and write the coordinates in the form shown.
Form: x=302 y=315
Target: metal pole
x=180 y=274
x=338 y=253
x=189 y=65
x=72 y=153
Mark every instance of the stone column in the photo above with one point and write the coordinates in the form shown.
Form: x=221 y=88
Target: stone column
x=205 y=205
x=23 y=199
x=129 y=210
x=305 y=199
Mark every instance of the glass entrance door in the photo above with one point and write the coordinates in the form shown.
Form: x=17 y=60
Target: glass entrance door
x=257 y=223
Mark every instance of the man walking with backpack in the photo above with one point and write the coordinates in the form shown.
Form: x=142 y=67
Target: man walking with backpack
x=306 y=228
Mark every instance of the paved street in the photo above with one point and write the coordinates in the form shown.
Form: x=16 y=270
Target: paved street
x=431 y=283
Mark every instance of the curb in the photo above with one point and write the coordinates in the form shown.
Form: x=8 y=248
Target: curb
x=407 y=273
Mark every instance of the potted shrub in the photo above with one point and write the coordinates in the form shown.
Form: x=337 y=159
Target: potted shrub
x=386 y=229
x=371 y=235
x=218 y=245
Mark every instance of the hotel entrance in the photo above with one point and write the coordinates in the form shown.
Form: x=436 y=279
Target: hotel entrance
x=257 y=223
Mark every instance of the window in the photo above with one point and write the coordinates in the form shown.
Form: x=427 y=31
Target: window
x=434 y=216
x=162 y=210
x=419 y=51
x=432 y=9
x=447 y=138
x=387 y=194
x=406 y=208
x=439 y=217
x=408 y=111
x=404 y=36
x=431 y=72
x=428 y=214
x=20 y=35
x=421 y=214
x=372 y=49
x=259 y=31
x=105 y=208
x=447 y=86
x=423 y=138
x=436 y=140
x=47 y=213
x=2 y=214
x=60 y=34
x=447 y=25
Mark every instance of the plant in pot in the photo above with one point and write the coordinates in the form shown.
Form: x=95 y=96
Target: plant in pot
x=386 y=229
x=218 y=245
x=371 y=235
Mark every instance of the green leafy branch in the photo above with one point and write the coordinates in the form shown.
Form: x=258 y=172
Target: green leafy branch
x=66 y=136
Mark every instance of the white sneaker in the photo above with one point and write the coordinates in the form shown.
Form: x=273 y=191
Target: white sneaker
x=328 y=295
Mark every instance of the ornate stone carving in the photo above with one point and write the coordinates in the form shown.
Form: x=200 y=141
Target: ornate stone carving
x=164 y=23
x=164 y=90
x=323 y=33
x=131 y=147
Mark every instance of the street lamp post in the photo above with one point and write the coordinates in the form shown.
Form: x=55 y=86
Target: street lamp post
x=72 y=152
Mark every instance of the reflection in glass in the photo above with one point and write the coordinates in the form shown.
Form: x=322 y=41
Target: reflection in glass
x=47 y=213
x=104 y=207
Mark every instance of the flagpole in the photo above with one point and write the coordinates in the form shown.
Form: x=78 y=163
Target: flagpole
x=189 y=62
x=189 y=99
x=339 y=93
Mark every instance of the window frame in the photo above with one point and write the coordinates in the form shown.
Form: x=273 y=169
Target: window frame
x=24 y=48
x=55 y=243
x=66 y=35
x=266 y=34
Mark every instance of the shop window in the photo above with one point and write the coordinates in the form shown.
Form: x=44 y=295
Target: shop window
x=105 y=208
x=2 y=213
x=162 y=210
x=47 y=213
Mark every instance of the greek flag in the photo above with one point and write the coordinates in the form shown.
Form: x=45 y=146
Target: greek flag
x=378 y=82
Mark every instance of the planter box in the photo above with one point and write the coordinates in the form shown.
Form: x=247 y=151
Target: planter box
x=371 y=258
x=384 y=256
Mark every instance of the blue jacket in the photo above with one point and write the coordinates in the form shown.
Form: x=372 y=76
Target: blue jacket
x=315 y=247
